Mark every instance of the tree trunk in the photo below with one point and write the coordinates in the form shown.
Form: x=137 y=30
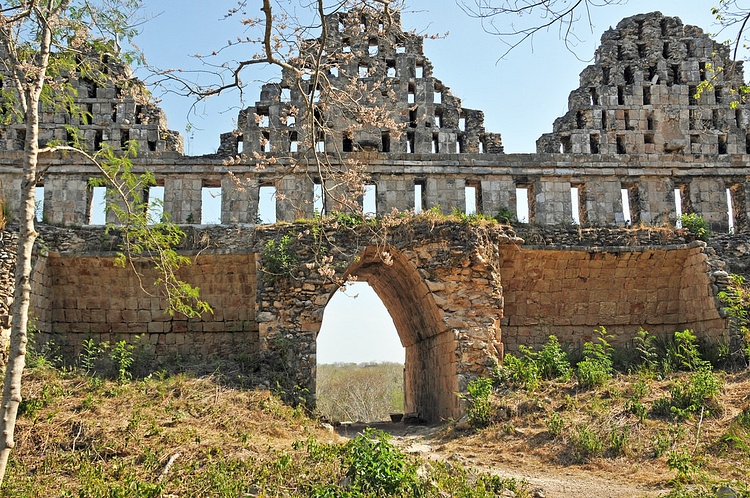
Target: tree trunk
x=21 y=294
x=26 y=237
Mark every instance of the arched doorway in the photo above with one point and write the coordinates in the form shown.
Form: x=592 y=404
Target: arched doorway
x=430 y=377
x=360 y=358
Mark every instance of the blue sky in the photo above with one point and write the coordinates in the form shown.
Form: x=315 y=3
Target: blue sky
x=521 y=95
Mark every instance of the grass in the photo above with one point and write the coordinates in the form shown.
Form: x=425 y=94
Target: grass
x=85 y=436
x=562 y=425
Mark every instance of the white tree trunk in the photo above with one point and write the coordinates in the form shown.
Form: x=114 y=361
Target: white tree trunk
x=27 y=236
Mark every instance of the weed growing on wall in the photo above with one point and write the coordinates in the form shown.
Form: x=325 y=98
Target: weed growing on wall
x=278 y=259
x=695 y=224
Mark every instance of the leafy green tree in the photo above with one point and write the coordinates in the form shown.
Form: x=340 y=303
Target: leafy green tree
x=45 y=43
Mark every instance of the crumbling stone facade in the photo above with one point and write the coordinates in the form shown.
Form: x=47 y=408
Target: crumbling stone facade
x=632 y=144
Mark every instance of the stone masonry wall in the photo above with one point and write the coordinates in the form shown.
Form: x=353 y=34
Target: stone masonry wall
x=571 y=291
x=91 y=298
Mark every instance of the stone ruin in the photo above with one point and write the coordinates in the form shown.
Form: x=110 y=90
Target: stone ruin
x=390 y=71
x=600 y=247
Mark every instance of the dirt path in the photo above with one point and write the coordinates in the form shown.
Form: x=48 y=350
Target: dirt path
x=546 y=481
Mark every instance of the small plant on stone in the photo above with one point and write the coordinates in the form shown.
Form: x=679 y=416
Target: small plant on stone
x=278 y=259
x=596 y=367
x=479 y=410
x=695 y=224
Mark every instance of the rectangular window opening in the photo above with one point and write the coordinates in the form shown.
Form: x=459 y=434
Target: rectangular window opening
x=39 y=203
x=262 y=118
x=646 y=95
x=410 y=142
x=420 y=199
x=594 y=143
x=369 y=201
x=435 y=144
x=419 y=70
x=522 y=204
x=473 y=197
x=625 y=199
x=210 y=204
x=620 y=143
x=385 y=139
x=155 y=198
x=98 y=206
x=730 y=210
x=566 y=145
x=390 y=71
x=620 y=95
x=265 y=141
x=293 y=142
x=347 y=144
x=462 y=123
x=678 y=207
x=575 y=206
x=594 y=96
x=722 y=144
x=267 y=204
x=318 y=198
x=286 y=94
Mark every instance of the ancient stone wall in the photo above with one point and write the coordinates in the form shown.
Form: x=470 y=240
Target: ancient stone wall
x=633 y=147
x=643 y=94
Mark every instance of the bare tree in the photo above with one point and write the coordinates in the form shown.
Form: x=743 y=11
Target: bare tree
x=516 y=22
x=326 y=100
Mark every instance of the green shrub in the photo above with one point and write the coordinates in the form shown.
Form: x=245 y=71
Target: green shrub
x=695 y=224
x=519 y=371
x=552 y=361
x=277 y=259
x=376 y=466
x=596 y=367
x=122 y=356
x=555 y=424
x=506 y=216
x=586 y=443
x=479 y=410
x=647 y=356
x=696 y=394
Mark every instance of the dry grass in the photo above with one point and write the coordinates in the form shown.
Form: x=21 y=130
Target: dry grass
x=83 y=436
x=632 y=451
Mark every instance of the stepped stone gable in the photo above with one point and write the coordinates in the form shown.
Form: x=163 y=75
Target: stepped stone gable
x=369 y=55
x=460 y=294
x=643 y=95
x=112 y=111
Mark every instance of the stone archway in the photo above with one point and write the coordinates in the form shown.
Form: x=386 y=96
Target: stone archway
x=439 y=282
x=430 y=380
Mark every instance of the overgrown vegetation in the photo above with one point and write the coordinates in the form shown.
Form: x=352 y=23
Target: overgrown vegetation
x=695 y=224
x=90 y=436
x=659 y=402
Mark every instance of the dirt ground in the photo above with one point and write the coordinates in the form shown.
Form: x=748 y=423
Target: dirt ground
x=545 y=480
